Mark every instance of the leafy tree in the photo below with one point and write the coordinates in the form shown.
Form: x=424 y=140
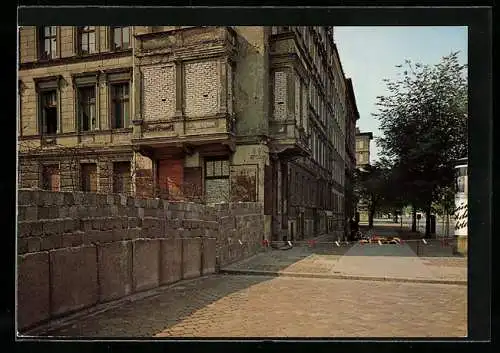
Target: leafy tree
x=374 y=184
x=424 y=123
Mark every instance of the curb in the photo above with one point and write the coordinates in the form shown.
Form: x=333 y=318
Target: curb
x=348 y=277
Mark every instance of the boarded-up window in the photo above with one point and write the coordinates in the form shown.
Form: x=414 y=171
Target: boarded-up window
x=89 y=177
x=170 y=178
x=121 y=177
x=51 y=177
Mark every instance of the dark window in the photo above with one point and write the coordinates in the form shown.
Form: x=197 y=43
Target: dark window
x=48 y=42
x=86 y=40
x=121 y=177
x=49 y=112
x=86 y=108
x=120 y=108
x=89 y=177
x=217 y=168
x=50 y=177
x=121 y=37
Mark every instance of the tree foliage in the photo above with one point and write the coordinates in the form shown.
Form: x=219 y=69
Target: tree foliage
x=423 y=118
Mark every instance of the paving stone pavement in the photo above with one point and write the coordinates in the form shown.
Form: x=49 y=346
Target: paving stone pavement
x=372 y=260
x=260 y=306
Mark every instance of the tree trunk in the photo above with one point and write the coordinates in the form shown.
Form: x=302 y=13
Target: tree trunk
x=414 y=219
x=371 y=213
x=427 y=221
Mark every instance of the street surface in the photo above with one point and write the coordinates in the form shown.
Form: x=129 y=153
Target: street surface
x=240 y=304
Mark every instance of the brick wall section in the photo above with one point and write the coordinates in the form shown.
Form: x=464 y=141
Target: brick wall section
x=119 y=245
x=202 y=87
x=280 y=95
x=159 y=92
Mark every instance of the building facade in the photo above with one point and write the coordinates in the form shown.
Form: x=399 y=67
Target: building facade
x=208 y=114
x=362 y=160
x=352 y=117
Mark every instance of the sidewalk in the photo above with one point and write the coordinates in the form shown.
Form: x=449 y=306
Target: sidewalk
x=373 y=262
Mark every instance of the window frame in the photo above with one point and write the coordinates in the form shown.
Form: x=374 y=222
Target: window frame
x=43 y=127
x=42 y=37
x=81 y=31
x=113 y=46
x=112 y=101
x=222 y=175
x=92 y=125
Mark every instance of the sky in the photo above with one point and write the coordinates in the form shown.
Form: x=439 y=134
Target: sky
x=370 y=54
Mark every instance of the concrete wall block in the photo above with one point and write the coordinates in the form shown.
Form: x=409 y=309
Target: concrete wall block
x=115 y=270
x=72 y=239
x=98 y=237
x=132 y=222
x=191 y=257
x=196 y=233
x=173 y=223
x=33 y=244
x=53 y=226
x=22 y=245
x=86 y=224
x=69 y=199
x=209 y=254
x=33 y=292
x=48 y=212
x=73 y=279
x=110 y=200
x=93 y=211
x=49 y=242
x=70 y=224
x=63 y=211
x=146 y=257
x=25 y=197
x=101 y=200
x=24 y=229
x=78 y=197
x=171 y=261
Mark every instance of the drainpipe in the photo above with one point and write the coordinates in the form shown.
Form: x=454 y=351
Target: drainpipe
x=132 y=117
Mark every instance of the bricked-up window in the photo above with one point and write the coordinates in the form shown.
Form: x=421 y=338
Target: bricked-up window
x=86 y=40
x=216 y=180
x=51 y=177
x=121 y=177
x=48 y=42
x=48 y=100
x=217 y=168
x=89 y=177
x=86 y=108
x=120 y=38
x=120 y=105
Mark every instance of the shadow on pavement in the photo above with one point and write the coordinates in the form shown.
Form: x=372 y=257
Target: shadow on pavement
x=149 y=316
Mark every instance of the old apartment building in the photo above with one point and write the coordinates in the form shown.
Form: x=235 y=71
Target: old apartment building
x=209 y=114
x=351 y=117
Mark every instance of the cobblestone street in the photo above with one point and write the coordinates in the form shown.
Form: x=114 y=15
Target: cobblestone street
x=242 y=305
x=246 y=306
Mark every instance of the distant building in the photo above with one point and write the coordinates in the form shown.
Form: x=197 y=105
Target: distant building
x=363 y=148
x=362 y=160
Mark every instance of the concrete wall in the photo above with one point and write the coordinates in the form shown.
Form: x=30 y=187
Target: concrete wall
x=76 y=250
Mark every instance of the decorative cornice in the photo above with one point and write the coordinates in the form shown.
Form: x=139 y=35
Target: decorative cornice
x=75 y=59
